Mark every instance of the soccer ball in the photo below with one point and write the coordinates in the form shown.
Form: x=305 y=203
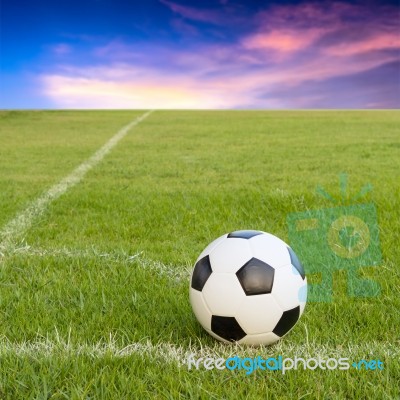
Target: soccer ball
x=248 y=287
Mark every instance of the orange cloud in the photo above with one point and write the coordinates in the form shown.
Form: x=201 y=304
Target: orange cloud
x=281 y=40
x=148 y=92
x=378 y=42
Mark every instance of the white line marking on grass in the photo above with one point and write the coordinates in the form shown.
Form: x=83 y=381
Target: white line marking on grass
x=50 y=348
x=169 y=271
x=23 y=221
x=171 y=353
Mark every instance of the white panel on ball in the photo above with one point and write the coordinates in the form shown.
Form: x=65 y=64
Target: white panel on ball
x=200 y=308
x=270 y=249
x=258 y=314
x=230 y=255
x=223 y=294
x=260 y=339
x=211 y=246
x=287 y=288
x=303 y=297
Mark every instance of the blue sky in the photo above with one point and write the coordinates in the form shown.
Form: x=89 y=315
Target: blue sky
x=199 y=54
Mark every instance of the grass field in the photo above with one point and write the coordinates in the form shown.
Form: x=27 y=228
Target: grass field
x=94 y=281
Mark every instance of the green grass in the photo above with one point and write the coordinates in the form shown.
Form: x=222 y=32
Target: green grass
x=106 y=265
x=38 y=148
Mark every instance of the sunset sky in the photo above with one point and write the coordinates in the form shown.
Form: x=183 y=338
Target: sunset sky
x=199 y=54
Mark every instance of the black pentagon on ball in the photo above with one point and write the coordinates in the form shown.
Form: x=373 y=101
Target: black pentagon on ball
x=296 y=263
x=227 y=328
x=202 y=271
x=244 y=234
x=256 y=277
x=287 y=321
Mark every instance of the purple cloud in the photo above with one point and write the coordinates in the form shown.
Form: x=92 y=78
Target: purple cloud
x=309 y=55
x=210 y=16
